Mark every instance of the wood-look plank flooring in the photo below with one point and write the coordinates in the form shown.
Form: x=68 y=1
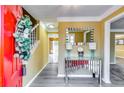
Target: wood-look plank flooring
x=48 y=78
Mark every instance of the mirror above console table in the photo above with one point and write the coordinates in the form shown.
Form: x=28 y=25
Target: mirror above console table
x=80 y=42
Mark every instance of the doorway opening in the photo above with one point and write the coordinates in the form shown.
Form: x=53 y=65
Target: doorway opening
x=119 y=49
x=116 y=51
x=53 y=48
x=106 y=64
x=117 y=58
x=54 y=52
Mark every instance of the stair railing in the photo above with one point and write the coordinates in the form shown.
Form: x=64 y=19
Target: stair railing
x=92 y=65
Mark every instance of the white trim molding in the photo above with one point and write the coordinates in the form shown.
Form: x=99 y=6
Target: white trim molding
x=77 y=19
x=88 y=76
x=110 y=11
x=29 y=83
x=106 y=81
x=89 y=18
x=106 y=64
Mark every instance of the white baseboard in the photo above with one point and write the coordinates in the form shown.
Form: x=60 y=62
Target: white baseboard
x=88 y=76
x=29 y=83
x=106 y=81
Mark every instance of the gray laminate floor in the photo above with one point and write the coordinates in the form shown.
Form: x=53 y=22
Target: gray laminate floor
x=116 y=75
x=48 y=78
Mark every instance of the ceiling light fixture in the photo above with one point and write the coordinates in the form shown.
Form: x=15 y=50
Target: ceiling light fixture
x=51 y=26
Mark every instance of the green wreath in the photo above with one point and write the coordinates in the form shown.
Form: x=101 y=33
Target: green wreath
x=22 y=40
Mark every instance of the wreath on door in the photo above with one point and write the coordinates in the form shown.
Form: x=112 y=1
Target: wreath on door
x=22 y=38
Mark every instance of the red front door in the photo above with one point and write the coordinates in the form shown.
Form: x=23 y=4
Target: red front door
x=11 y=66
x=1 y=50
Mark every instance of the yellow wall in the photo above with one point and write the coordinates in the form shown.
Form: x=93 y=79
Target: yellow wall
x=119 y=51
x=52 y=32
x=39 y=58
x=99 y=35
x=97 y=32
x=62 y=27
x=121 y=10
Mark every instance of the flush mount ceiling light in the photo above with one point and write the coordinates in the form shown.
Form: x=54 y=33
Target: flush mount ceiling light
x=50 y=26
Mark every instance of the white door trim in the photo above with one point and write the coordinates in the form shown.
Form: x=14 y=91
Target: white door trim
x=106 y=64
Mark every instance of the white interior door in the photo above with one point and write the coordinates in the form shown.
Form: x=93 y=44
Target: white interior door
x=55 y=51
x=54 y=55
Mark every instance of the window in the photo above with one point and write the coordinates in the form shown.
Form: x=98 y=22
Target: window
x=34 y=35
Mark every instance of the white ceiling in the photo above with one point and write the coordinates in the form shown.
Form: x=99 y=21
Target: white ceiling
x=47 y=12
x=50 y=13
